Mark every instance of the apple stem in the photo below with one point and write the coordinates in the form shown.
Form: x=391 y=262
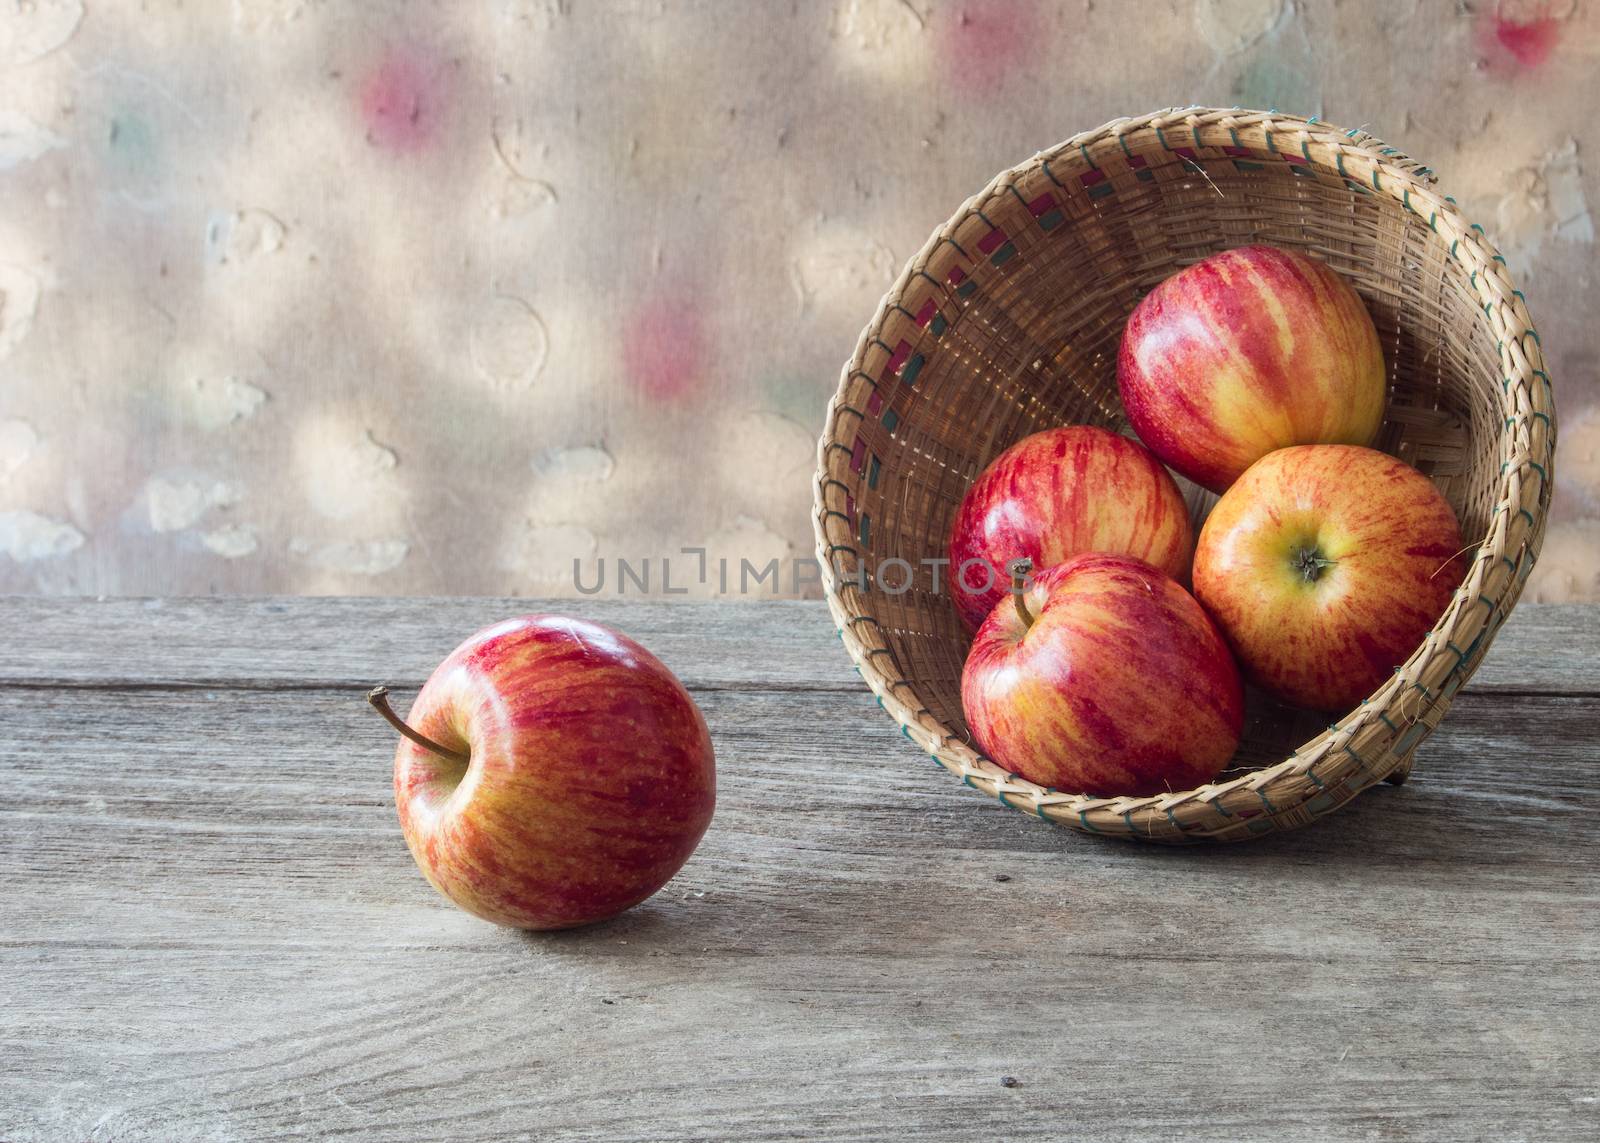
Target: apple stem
x=379 y=698
x=1309 y=563
x=1019 y=570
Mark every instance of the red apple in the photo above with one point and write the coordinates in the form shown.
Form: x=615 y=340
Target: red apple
x=1105 y=677
x=564 y=776
x=1248 y=351
x=1058 y=493
x=1325 y=566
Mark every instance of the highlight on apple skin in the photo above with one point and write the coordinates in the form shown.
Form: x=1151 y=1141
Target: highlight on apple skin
x=1056 y=494
x=1104 y=677
x=1326 y=566
x=584 y=776
x=1247 y=351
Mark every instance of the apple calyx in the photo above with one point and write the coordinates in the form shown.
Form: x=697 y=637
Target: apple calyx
x=1019 y=570
x=379 y=698
x=1309 y=562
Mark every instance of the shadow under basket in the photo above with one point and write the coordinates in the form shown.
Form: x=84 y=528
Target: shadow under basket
x=1008 y=322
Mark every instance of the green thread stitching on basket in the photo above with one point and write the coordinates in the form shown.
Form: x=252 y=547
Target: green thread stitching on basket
x=1311 y=772
x=1305 y=144
x=1233 y=133
x=1123 y=139
x=1411 y=737
x=1387 y=721
x=1161 y=137
x=1083 y=817
x=1539 y=468
x=1461 y=656
x=1265 y=801
x=1338 y=162
x=1001 y=794
x=1051 y=175
x=1375 y=184
x=1453 y=244
x=1406 y=201
x=1127 y=820
x=1084 y=151
x=1533 y=333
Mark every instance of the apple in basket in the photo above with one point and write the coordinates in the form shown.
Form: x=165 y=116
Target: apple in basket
x=1248 y=351
x=1103 y=676
x=553 y=773
x=1056 y=494
x=1326 y=566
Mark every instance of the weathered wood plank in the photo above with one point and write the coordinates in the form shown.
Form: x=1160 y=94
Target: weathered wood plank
x=212 y=929
x=1549 y=648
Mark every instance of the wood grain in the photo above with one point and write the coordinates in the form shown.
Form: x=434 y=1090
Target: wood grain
x=211 y=927
x=1549 y=648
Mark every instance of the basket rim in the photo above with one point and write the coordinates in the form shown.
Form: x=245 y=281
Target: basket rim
x=1366 y=745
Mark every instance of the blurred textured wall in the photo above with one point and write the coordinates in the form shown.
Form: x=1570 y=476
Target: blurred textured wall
x=303 y=296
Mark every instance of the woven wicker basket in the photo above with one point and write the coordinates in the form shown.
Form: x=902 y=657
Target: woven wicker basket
x=1008 y=322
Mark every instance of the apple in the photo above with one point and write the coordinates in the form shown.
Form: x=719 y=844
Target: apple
x=1247 y=351
x=1325 y=566
x=1056 y=494
x=1104 y=676
x=553 y=773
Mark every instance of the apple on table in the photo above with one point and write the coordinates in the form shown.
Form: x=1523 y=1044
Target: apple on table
x=553 y=773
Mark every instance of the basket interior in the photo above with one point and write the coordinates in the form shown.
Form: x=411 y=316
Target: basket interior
x=1028 y=298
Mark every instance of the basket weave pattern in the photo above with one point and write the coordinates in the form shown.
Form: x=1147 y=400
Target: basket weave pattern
x=1008 y=322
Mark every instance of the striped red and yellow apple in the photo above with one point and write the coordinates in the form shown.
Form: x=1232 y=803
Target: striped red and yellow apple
x=1056 y=494
x=554 y=773
x=1103 y=676
x=1326 y=566
x=1247 y=351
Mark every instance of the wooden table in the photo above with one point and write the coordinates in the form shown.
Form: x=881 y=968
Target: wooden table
x=212 y=928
